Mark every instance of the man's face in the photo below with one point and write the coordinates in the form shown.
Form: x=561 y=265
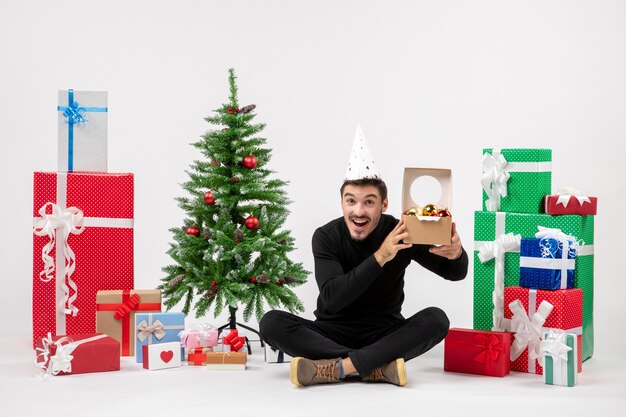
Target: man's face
x=362 y=207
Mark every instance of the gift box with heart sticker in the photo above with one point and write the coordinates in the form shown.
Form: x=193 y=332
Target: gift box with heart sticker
x=161 y=356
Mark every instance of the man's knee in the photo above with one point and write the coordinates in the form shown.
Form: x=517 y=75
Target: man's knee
x=438 y=319
x=269 y=323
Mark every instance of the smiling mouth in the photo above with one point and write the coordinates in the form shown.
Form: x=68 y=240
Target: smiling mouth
x=360 y=224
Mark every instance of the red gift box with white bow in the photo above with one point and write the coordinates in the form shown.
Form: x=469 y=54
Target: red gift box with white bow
x=478 y=352
x=570 y=201
x=529 y=313
x=82 y=243
x=77 y=354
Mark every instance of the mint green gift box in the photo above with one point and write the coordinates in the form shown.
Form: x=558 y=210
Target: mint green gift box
x=485 y=225
x=529 y=174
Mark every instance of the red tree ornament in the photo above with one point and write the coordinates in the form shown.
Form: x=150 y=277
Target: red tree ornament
x=230 y=110
x=249 y=161
x=253 y=280
x=213 y=283
x=252 y=222
x=280 y=281
x=209 y=198
x=193 y=231
x=234 y=179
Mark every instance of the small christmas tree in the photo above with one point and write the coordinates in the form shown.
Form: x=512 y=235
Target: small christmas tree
x=231 y=250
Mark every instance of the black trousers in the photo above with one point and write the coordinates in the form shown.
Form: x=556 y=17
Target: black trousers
x=369 y=343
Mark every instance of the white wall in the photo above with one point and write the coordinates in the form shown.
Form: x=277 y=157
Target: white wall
x=431 y=82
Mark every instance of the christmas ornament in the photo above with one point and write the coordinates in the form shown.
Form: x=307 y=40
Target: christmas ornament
x=263 y=279
x=193 y=231
x=209 y=198
x=252 y=222
x=213 y=283
x=236 y=109
x=248 y=108
x=234 y=179
x=176 y=280
x=443 y=213
x=249 y=161
x=206 y=233
x=290 y=279
x=230 y=110
x=413 y=211
x=253 y=280
x=280 y=281
x=430 y=210
x=215 y=163
x=238 y=235
x=211 y=292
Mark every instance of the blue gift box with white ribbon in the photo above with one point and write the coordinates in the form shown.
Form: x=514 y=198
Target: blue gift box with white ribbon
x=547 y=264
x=155 y=328
x=82 y=121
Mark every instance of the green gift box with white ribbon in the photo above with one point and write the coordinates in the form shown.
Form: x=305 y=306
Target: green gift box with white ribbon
x=559 y=351
x=491 y=228
x=516 y=180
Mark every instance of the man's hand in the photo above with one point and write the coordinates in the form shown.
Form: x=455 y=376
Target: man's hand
x=392 y=244
x=453 y=250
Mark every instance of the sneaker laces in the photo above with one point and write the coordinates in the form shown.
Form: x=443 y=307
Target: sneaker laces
x=377 y=375
x=326 y=371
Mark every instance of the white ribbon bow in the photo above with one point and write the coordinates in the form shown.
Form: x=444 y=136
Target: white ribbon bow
x=61 y=361
x=145 y=330
x=496 y=249
x=567 y=243
x=494 y=178
x=555 y=345
x=66 y=221
x=528 y=331
x=566 y=193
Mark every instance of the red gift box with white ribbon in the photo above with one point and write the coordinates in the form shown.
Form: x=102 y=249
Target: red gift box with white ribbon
x=82 y=243
x=570 y=201
x=77 y=354
x=529 y=313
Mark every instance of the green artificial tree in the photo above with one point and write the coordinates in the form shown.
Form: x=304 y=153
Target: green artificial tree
x=231 y=251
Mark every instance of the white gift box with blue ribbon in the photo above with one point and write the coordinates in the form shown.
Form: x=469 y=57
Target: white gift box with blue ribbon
x=547 y=262
x=82 y=131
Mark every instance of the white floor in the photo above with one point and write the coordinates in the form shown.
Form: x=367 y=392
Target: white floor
x=264 y=390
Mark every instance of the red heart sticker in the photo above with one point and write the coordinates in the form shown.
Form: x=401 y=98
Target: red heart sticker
x=167 y=356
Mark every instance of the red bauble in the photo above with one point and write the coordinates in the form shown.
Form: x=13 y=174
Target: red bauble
x=443 y=213
x=230 y=110
x=237 y=109
x=209 y=198
x=249 y=161
x=213 y=283
x=253 y=280
x=234 y=179
x=280 y=281
x=252 y=222
x=193 y=231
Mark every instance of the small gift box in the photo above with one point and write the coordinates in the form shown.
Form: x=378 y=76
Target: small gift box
x=226 y=361
x=532 y=312
x=161 y=356
x=232 y=342
x=197 y=356
x=115 y=314
x=77 y=354
x=570 y=201
x=477 y=352
x=547 y=262
x=202 y=335
x=560 y=353
x=273 y=355
x=154 y=328
x=82 y=131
